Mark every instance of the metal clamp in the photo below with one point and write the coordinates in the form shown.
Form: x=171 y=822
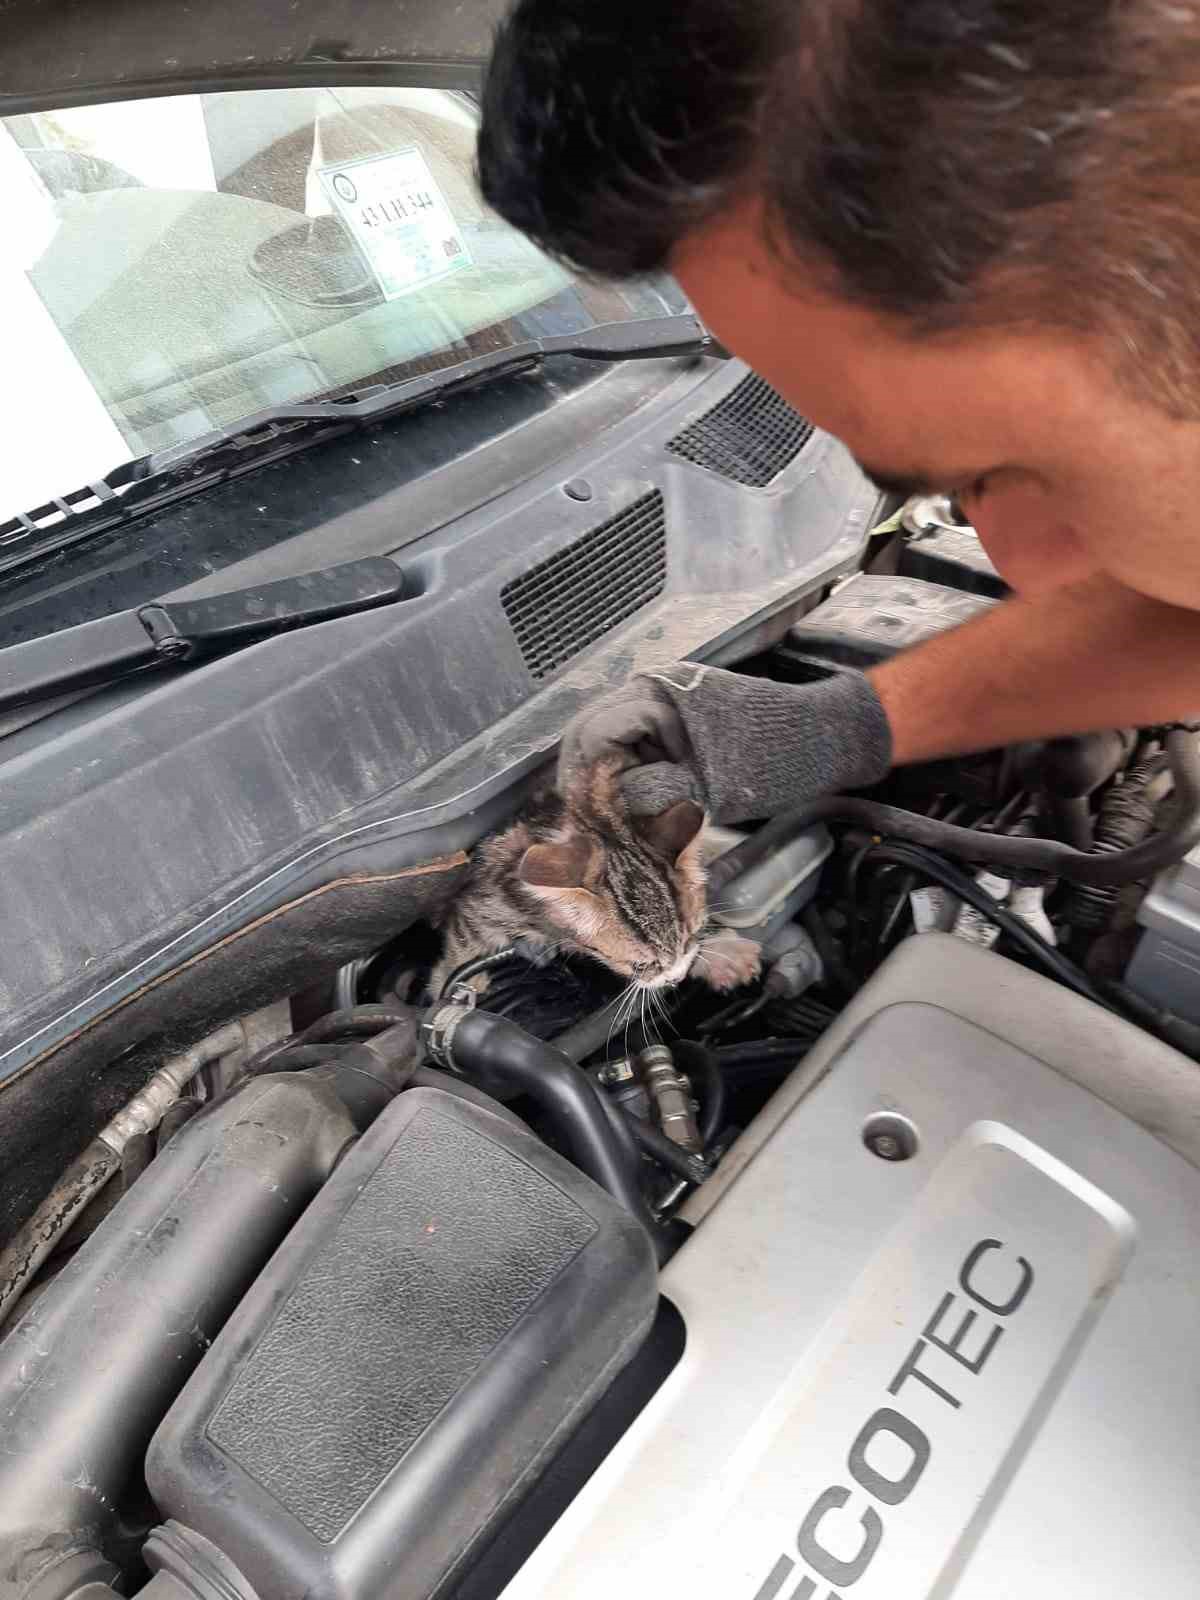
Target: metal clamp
x=441 y=1023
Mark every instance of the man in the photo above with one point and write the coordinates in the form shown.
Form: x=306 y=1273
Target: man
x=961 y=235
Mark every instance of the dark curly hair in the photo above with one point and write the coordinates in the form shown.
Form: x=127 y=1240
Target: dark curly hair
x=949 y=163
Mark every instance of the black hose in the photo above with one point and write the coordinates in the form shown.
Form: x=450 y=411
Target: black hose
x=666 y=1152
x=296 y=1057
x=499 y=1056
x=594 y=1031
x=730 y=1016
x=365 y=1073
x=1126 y=817
x=786 y=1051
x=355 y=1022
x=620 y=1120
x=1001 y=850
x=961 y=884
x=477 y=964
x=90 y=1373
x=704 y=1074
x=836 y=970
x=589 y=1034
x=1073 y=820
x=337 y=1065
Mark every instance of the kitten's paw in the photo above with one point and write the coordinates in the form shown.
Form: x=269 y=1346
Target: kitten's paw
x=727 y=961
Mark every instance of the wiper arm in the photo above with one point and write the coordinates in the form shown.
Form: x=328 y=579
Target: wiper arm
x=171 y=632
x=154 y=481
x=274 y=429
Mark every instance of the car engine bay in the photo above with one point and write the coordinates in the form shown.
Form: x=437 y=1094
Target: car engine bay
x=377 y=1293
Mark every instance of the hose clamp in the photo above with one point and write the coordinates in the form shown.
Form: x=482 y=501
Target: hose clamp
x=441 y=1024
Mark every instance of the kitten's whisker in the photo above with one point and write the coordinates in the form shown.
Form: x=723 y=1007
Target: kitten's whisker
x=658 y=1008
x=619 y=1006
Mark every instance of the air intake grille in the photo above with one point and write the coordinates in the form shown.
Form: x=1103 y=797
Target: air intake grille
x=577 y=595
x=750 y=436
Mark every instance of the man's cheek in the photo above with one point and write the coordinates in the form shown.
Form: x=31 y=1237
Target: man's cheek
x=1032 y=553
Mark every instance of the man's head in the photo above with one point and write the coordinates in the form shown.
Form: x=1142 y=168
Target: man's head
x=963 y=235
x=948 y=163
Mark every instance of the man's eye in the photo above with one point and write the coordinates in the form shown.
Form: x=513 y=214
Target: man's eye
x=961 y=499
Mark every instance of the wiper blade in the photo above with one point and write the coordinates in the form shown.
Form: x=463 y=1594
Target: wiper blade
x=154 y=481
x=173 y=632
x=254 y=436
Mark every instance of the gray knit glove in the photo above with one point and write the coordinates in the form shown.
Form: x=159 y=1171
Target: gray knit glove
x=743 y=747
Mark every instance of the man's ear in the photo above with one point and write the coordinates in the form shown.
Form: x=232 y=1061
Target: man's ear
x=672 y=830
x=556 y=866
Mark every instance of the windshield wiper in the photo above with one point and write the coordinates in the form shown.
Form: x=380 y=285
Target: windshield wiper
x=155 y=480
x=255 y=435
x=174 y=632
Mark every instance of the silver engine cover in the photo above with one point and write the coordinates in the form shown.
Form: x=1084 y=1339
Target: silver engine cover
x=975 y=1372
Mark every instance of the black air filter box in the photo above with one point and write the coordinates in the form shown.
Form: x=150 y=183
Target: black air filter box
x=444 y=1313
x=872 y=617
x=953 y=556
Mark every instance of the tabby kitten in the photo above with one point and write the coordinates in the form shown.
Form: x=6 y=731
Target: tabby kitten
x=577 y=873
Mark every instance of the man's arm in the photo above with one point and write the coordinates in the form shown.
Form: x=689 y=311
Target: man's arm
x=1092 y=656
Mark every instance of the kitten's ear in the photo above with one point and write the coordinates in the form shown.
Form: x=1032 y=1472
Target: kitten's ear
x=672 y=830
x=556 y=866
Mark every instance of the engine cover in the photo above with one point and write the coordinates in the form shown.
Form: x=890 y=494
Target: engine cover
x=972 y=1372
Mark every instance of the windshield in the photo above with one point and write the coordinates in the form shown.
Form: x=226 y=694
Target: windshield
x=170 y=266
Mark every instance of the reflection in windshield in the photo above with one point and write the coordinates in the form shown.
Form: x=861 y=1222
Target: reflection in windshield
x=173 y=265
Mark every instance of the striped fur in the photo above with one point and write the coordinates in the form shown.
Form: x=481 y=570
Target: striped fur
x=628 y=892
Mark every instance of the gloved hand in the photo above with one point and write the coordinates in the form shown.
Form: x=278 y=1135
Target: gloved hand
x=742 y=747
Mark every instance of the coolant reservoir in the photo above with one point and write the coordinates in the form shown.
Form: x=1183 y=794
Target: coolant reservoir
x=761 y=899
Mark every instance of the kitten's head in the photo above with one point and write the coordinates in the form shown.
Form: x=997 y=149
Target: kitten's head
x=627 y=890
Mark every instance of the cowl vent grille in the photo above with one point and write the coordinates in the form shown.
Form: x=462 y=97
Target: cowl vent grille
x=579 y=594
x=749 y=436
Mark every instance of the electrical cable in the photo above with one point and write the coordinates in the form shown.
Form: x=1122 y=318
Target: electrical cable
x=961 y=884
x=994 y=849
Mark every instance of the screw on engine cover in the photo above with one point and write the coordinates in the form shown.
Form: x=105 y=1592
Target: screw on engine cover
x=889 y=1136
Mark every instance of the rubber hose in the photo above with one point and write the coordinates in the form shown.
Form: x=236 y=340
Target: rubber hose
x=704 y=1073
x=1073 y=820
x=471 y=969
x=328 y=1062
x=1001 y=850
x=354 y=1022
x=90 y=1371
x=1126 y=818
x=594 y=1032
x=87 y=1175
x=619 y=1120
x=666 y=1152
x=495 y=1052
x=836 y=970
x=965 y=887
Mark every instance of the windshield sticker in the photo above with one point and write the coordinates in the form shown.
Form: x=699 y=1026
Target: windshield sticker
x=399 y=219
